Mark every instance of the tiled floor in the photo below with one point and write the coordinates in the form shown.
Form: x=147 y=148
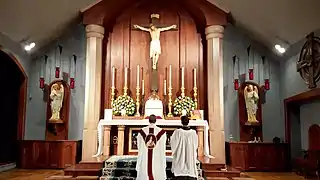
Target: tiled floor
x=23 y=174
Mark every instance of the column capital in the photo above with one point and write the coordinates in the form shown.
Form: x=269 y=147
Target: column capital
x=107 y=128
x=94 y=30
x=214 y=31
x=121 y=127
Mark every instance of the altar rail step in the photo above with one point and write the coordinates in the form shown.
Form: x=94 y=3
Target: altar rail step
x=83 y=170
x=228 y=173
x=72 y=178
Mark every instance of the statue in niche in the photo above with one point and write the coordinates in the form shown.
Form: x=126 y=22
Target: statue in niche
x=56 y=96
x=155 y=47
x=251 y=99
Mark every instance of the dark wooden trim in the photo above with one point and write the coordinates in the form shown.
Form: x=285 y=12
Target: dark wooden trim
x=292 y=103
x=22 y=97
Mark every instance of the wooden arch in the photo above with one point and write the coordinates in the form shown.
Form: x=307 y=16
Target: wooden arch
x=104 y=12
x=22 y=95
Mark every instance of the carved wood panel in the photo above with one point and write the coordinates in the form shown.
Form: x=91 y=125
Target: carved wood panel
x=128 y=47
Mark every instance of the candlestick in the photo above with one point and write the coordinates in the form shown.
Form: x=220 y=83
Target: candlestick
x=113 y=76
x=138 y=102
x=138 y=75
x=195 y=94
x=125 y=88
x=142 y=87
x=165 y=87
x=195 y=77
x=112 y=95
x=170 y=102
x=170 y=76
x=182 y=82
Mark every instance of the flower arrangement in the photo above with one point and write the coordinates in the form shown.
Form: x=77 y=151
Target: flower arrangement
x=183 y=103
x=123 y=102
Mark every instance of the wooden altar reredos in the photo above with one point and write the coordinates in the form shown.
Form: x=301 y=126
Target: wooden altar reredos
x=191 y=46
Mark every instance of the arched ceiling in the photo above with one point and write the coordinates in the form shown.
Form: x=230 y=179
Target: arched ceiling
x=268 y=21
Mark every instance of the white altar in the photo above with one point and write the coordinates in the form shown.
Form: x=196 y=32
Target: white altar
x=203 y=137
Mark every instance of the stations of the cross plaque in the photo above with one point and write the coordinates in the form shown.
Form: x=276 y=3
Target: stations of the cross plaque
x=155 y=47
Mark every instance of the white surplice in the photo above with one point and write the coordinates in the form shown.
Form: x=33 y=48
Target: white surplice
x=151 y=163
x=184 y=144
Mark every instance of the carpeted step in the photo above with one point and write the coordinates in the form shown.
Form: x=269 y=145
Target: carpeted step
x=123 y=167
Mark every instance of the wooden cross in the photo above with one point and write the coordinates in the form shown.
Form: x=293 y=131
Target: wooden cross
x=155 y=48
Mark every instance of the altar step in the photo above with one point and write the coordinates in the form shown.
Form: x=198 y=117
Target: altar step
x=212 y=167
x=90 y=167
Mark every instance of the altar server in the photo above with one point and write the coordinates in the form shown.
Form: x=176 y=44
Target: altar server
x=151 y=162
x=184 y=144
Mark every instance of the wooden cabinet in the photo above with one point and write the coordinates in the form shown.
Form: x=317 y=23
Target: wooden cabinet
x=258 y=156
x=49 y=154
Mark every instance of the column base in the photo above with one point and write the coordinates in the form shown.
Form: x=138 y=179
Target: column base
x=217 y=145
x=89 y=144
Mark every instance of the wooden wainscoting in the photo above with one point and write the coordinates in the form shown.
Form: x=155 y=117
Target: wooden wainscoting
x=49 y=154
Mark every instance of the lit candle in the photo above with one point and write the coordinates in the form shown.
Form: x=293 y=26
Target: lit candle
x=113 y=76
x=125 y=76
x=182 y=77
x=142 y=84
x=170 y=85
x=165 y=87
x=138 y=76
x=195 y=77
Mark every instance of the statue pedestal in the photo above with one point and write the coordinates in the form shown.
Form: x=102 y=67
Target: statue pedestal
x=55 y=121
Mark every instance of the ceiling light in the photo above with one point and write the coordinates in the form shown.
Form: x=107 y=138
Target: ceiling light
x=30 y=46
x=27 y=48
x=280 y=49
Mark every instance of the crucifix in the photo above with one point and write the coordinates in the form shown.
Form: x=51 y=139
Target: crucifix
x=155 y=47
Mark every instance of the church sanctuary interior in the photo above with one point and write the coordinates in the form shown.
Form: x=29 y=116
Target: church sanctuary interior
x=81 y=78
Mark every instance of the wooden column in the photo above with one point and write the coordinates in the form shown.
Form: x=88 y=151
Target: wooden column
x=120 y=140
x=106 y=143
x=92 y=89
x=214 y=35
x=200 y=140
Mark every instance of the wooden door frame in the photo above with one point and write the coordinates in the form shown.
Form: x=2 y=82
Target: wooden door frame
x=294 y=103
x=22 y=96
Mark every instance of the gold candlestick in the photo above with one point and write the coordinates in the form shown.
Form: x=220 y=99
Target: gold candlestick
x=170 y=102
x=195 y=94
x=138 y=102
x=182 y=91
x=125 y=91
x=112 y=95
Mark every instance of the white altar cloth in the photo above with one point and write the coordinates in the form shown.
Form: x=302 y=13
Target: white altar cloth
x=145 y=122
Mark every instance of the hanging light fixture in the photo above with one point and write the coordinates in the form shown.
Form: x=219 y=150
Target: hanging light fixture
x=42 y=70
x=266 y=73
x=72 y=71
x=57 y=71
x=235 y=72
x=250 y=65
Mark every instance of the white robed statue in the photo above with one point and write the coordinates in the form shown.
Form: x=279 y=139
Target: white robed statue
x=155 y=47
x=184 y=145
x=251 y=98
x=151 y=162
x=56 y=96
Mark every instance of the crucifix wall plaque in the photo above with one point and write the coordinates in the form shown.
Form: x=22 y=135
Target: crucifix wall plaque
x=155 y=47
x=308 y=64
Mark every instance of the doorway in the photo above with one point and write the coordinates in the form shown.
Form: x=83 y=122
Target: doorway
x=12 y=107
